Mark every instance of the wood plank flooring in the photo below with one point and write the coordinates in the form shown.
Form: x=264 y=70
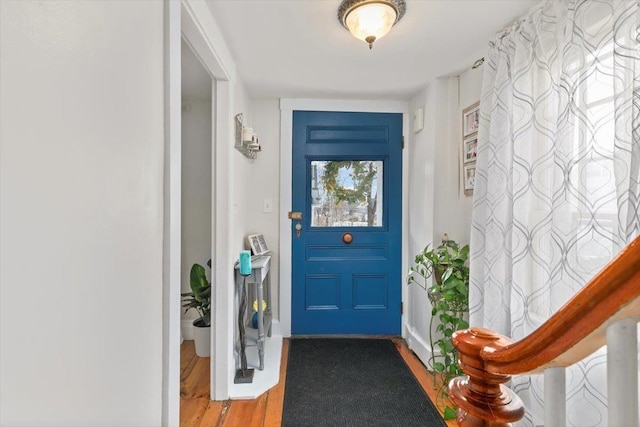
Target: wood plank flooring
x=266 y=411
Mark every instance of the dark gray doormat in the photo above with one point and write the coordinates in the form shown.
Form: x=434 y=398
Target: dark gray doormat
x=353 y=382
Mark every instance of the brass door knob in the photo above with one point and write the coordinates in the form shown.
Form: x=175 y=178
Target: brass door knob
x=347 y=238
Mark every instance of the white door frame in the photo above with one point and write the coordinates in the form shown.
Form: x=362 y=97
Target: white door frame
x=172 y=219
x=192 y=21
x=287 y=107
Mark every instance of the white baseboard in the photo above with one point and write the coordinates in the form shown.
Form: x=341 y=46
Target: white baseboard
x=276 y=329
x=418 y=345
x=186 y=327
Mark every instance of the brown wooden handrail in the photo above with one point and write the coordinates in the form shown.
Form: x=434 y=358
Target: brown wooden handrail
x=577 y=330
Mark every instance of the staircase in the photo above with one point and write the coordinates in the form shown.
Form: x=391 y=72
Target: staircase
x=605 y=311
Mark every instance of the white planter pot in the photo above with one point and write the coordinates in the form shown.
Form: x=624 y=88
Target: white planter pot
x=202 y=337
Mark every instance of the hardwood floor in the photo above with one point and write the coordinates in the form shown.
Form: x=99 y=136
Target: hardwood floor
x=266 y=411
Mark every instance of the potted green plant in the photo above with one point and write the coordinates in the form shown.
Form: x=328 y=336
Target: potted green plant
x=449 y=297
x=200 y=299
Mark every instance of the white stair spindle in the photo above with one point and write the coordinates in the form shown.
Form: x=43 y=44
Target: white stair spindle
x=555 y=397
x=622 y=373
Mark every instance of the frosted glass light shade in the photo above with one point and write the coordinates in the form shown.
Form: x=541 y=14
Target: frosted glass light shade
x=371 y=21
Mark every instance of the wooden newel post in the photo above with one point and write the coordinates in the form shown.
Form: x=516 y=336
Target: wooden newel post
x=482 y=399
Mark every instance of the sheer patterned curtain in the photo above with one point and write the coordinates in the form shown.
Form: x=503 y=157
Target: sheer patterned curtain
x=557 y=183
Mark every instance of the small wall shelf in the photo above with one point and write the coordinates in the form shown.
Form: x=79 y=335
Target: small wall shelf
x=246 y=141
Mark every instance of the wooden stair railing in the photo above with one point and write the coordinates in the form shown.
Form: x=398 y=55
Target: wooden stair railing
x=609 y=305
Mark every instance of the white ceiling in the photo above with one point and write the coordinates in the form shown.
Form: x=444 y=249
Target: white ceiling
x=297 y=48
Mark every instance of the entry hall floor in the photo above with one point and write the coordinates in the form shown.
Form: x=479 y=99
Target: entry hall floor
x=266 y=411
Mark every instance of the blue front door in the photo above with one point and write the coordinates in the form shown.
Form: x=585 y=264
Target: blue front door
x=347 y=184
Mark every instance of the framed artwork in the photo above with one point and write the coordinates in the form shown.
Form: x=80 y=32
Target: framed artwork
x=470 y=124
x=469 y=148
x=258 y=244
x=470 y=119
x=469 y=177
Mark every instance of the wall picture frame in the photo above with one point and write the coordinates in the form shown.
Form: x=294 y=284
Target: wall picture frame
x=470 y=148
x=469 y=152
x=469 y=177
x=258 y=244
x=470 y=119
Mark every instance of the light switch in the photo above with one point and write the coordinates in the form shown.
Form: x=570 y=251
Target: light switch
x=267 y=206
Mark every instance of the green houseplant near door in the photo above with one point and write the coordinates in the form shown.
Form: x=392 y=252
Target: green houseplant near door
x=200 y=299
x=449 y=297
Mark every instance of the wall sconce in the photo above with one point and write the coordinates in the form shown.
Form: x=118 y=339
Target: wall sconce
x=246 y=141
x=370 y=20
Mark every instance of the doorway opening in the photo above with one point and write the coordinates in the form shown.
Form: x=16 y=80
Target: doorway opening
x=346 y=248
x=196 y=217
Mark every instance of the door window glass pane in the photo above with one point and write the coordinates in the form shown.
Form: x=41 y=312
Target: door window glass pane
x=346 y=193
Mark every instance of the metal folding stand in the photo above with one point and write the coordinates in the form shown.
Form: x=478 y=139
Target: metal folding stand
x=243 y=375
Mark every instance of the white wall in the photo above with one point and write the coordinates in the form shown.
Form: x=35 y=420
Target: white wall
x=421 y=220
x=422 y=191
x=81 y=202
x=449 y=196
x=436 y=201
x=196 y=190
x=470 y=88
x=241 y=185
x=265 y=184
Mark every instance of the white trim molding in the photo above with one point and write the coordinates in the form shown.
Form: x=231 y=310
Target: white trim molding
x=287 y=107
x=172 y=234
x=355 y=106
x=418 y=345
x=223 y=369
x=202 y=34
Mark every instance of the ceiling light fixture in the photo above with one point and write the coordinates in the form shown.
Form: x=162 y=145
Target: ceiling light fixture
x=370 y=20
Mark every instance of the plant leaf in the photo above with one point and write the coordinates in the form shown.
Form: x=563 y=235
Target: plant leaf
x=449 y=413
x=447 y=274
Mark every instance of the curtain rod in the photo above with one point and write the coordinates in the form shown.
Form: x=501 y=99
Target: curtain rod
x=478 y=63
